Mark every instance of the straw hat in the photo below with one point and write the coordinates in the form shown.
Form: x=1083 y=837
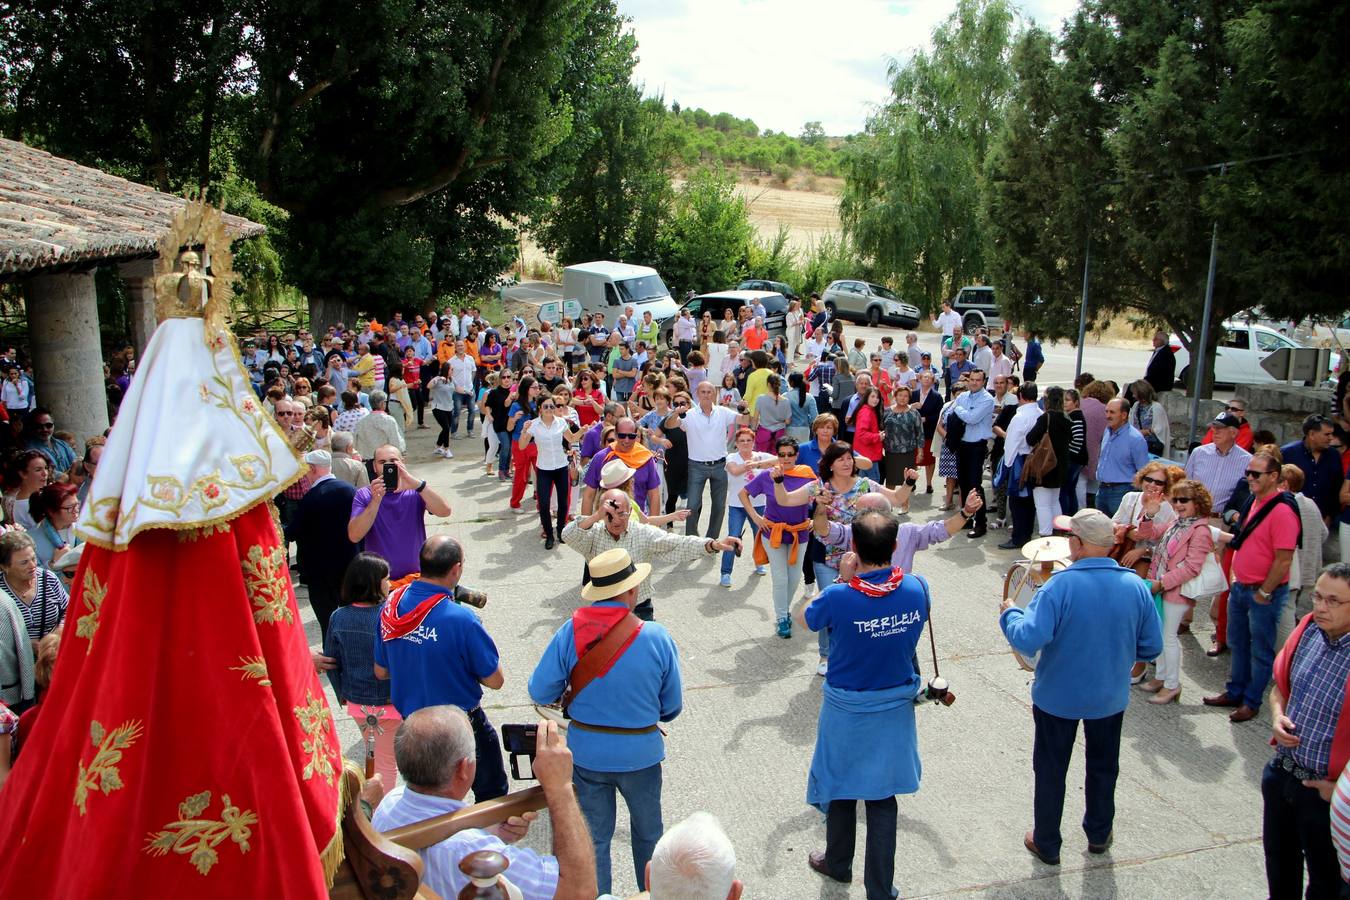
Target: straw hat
x=612 y=573
x=615 y=473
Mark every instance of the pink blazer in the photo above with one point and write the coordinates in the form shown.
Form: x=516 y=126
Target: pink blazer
x=1185 y=556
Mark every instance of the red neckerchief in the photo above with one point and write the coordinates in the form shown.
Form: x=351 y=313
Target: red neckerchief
x=394 y=626
x=590 y=624
x=873 y=589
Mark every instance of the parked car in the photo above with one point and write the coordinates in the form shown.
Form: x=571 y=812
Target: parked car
x=977 y=307
x=775 y=307
x=862 y=301
x=759 y=284
x=1334 y=334
x=1241 y=348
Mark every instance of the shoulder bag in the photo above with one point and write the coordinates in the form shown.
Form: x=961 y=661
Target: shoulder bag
x=1209 y=582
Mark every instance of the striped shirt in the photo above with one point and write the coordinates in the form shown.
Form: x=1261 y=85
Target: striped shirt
x=48 y=608
x=1218 y=472
x=644 y=543
x=535 y=874
x=1316 y=695
x=1340 y=822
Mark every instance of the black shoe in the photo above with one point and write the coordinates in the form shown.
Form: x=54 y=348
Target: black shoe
x=816 y=860
x=1103 y=846
x=1009 y=545
x=978 y=532
x=548 y=543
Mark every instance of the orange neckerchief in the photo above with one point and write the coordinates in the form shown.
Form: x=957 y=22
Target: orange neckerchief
x=633 y=459
x=799 y=471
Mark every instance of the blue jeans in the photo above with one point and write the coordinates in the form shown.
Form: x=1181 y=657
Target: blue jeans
x=736 y=521
x=1068 y=492
x=1251 y=638
x=464 y=402
x=641 y=794
x=825 y=576
x=1108 y=498
x=504 y=452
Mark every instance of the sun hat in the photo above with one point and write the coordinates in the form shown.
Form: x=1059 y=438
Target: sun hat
x=615 y=473
x=612 y=573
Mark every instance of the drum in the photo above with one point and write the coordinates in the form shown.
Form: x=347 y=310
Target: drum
x=1023 y=580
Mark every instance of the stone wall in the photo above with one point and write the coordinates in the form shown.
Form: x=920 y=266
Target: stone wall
x=1278 y=408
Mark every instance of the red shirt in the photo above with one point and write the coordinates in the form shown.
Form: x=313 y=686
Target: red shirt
x=754 y=338
x=867 y=434
x=1255 y=558
x=587 y=415
x=412 y=372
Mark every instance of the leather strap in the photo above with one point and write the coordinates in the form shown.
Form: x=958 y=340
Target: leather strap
x=598 y=658
x=614 y=729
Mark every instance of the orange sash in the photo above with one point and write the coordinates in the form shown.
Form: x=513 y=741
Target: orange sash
x=633 y=459
x=776 y=532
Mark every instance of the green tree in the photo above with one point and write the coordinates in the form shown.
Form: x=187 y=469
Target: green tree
x=813 y=133
x=705 y=241
x=912 y=198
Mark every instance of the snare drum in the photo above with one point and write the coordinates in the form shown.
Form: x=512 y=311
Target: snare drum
x=1021 y=583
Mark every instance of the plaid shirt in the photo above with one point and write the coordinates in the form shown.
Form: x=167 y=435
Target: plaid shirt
x=644 y=543
x=823 y=374
x=1317 y=694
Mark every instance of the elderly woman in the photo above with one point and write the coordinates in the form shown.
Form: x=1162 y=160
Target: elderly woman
x=1180 y=550
x=37 y=592
x=55 y=508
x=1148 y=504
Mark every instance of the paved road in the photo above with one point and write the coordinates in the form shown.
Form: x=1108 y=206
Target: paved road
x=1188 y=820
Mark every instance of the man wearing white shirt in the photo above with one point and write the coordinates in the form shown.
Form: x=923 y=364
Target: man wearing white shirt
x=999 y=363
x=686 y=333
x=706 y=428
x=815 y=346
x=984 y=356
x=1022 y=509
x=948 y=321
x=731 y=362
x=462 y=370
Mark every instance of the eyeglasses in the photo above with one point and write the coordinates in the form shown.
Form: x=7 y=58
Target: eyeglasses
x=1161 y=482
x=1252 y=473
x=1182 y=499
x=625 y=436
x=787 y=455
x=73 y=508
x=548 y=406
x=1327 y=601
x=1236 y=409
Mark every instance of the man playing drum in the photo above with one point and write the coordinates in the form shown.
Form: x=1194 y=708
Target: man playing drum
x=1090 y=623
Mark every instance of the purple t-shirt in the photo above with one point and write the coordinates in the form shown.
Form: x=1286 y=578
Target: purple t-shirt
x=646 y=479
x=399 y=530
x=590 y=442
x=762 y=486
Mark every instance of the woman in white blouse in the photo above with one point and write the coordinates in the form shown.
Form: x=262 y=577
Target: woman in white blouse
x=552 y=434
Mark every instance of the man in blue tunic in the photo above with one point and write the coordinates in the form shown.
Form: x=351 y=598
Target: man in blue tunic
x=866 y=745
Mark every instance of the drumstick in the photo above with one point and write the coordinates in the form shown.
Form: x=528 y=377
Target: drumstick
x=932 y=641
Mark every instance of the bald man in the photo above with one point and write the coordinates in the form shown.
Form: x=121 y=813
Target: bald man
x=392 y=523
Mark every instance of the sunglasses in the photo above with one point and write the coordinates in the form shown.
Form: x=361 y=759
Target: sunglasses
x=1252 y=473
x=626 y=436
x=1236 y=409
x=1158 y=481
x=1182 y=499
x=548 y=406
x=788 y=455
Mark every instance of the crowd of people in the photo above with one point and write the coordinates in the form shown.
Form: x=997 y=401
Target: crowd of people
x=632 y=456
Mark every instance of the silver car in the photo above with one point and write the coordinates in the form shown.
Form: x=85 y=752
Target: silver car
x=862 y=301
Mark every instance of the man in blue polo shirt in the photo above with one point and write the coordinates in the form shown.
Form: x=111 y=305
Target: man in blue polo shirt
x=1124 y=452
x=437 y=652
x=1090 y=624
x=876 y=616
x=615 y=737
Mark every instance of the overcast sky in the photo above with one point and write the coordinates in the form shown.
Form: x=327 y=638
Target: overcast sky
x=787 y=62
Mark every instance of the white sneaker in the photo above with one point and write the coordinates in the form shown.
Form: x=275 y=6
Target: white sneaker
x=448 y=453
x=822 y=667
x=761 y=570
x=439 y=451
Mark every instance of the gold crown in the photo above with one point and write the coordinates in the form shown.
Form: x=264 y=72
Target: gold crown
x=195 y=240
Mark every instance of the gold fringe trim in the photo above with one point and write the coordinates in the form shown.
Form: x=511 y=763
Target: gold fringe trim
x=194 y=526
x=349 y=791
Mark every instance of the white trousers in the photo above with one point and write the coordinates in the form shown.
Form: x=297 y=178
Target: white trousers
x=1169 y=664
x=1047 y=507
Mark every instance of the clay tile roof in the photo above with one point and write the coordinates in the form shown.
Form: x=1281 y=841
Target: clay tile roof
x=54 y=212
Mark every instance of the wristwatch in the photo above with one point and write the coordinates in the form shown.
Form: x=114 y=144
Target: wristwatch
x=1263 y=594
x=421 y=487
x=911 y=482
x=777 y=479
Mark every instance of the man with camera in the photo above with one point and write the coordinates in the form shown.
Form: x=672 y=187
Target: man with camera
x=642 y=542
x=389 y=513
x=1090 y=623
x=618 y=678
x=436 y=651
x=877 y=614
x=433 y=749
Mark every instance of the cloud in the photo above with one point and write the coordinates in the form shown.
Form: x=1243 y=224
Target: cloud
x=783 y=63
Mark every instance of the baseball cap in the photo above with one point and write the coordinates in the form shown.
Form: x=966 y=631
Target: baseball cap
x=1091 y=525
x=1227 y=420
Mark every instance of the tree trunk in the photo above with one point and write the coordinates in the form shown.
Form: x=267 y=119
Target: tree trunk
x=326 y=311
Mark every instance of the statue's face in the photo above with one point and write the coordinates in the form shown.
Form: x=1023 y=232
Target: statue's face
x=191 y=260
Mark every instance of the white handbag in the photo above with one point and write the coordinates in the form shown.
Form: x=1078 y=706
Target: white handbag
x=1210 y=581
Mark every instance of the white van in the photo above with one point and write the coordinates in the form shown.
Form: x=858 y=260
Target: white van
x=608 y=287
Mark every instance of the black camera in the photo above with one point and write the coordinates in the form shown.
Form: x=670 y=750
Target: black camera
x=938 y=692
x=520 y=741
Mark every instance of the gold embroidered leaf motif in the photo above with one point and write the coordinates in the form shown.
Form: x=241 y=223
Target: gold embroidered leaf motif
x=102 y=773
x=265 y=579
x=197 y=838
x=92 y=595
x=314 y=717
x=253 y=667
